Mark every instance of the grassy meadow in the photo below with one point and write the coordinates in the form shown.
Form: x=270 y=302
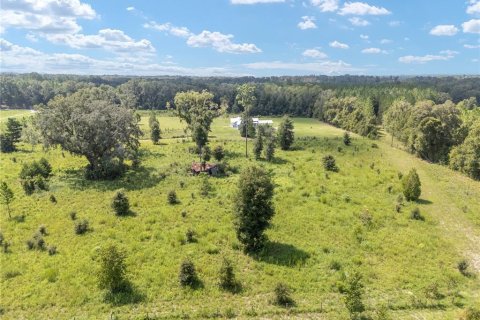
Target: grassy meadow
x=326 y=225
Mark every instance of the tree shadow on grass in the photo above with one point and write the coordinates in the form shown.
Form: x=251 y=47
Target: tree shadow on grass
x=424 y=201
x=233 y=154
x=137 y=179
x=128 y=295
x=282 y=254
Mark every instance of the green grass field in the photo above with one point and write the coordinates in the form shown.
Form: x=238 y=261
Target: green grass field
x=347 y=217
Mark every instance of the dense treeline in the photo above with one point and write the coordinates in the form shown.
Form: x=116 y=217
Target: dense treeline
x=275 y=95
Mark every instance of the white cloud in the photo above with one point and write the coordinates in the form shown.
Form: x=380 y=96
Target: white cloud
x=359 y=22
x=254 y=1
x=471 y=46
x=373 y=51
x=307 y=22
x=15 y=58
x=385 y=41
x=361 y=9
x=471 y=26
x=443 y=56
x=130 y=8
x=364 y=37
x=314 y=53
x=109 y=39
x=47 y=16
x=323 y=67
x=220 y=42
x=325 y=5
x=394 y=23
x=444 y=30
x=474 y=7
x=338 y=45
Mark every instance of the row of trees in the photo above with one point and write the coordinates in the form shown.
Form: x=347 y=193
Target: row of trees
x=444 y=133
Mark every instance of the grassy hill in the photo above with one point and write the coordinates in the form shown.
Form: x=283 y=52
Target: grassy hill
x=326 y=225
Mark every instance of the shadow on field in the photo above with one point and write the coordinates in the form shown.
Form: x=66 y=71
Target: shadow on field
x=137 y=179
x=233 y=154
x=424 y=201
x=282 y=254
x=129 y=295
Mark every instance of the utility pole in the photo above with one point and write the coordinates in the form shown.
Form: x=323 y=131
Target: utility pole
x=246 y=135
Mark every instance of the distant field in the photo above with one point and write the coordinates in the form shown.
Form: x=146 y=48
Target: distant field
x=346 y=218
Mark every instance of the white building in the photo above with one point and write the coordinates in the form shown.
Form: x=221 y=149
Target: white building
x=235 y=122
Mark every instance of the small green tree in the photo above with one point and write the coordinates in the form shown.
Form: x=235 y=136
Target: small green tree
x=11 y=136
x=258 y=146
x=353 y=295
x=154 y=127
x=329 y=163
x=227 y=276
x=6 y=196
x=269 y=148
x=346 y=139
x=411 y=186
x=188 y=274
x=282 y=295
x=253 y=207
x=120 y=204
x=112 y=272
x=285 y=133
x=246 y=127
x=172 y=197
x=218 y=153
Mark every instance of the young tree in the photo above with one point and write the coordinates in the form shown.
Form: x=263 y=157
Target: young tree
x=346 y=139
x=253 y=207
x=246 y=98
x=92 y=123
x=112 y=272
x=227 y=276
x=198 y=110
x=411 y=186
x=120 y=204
x=11 y=136
x=218 y=153
x=258 y=145
x=246 y=127
x=6 y=196
x=269 y=148
x=187 y=275
x=353 y=296
x=329 y=163
x=285 y=133
x=154 y=128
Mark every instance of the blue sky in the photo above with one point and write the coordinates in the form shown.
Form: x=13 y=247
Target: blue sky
x=241 y=37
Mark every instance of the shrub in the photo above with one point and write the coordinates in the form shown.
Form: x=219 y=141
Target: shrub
x=227 y=276
x=37 y=242
x=172 y=197
x=335 y=265
x=5 y=246
x=205 y=187
x=28 y=186
x=45 y=168
x=184 y=213
x=73 y=215
x=187 y=275
x=53 y=199
x=416 y=215
x=112 y=271
x=269 y=148
x=81 y=226
x=329 y=163
x=218 y=153
x=462 y=266
x=42 y=230
x=120 y=204
x=52 y=250
x=282 y=295
x=353 y=291
x=190 y=236
x=411 y=186
x=346 y=139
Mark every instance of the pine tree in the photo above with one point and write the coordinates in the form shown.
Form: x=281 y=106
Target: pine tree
x=411 y=186
x=285 y=133
x=6 y=196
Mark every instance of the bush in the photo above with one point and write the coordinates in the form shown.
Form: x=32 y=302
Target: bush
x=120 y=204
x=411 y=186
x=463 y=266
x=187 y=275
x=42 y=230
x=285 y=133
x=172 y=197
x=282 y=295
x=190 y=236
x=218 y=153
x=353 y=292
x=227 y=276
x=73 y=215
x=329 y=163
x=37 y=242
x=53 y=199
x=470 y=314
x=205 y=187
x=346 y=139
x=52 y=250
x=416 y=215
x=112 y=272
x=81 y=226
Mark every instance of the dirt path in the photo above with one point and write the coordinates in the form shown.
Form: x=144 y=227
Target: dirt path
x=450 y=198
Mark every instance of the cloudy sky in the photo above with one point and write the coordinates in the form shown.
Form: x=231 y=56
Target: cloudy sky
x=241 y=37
